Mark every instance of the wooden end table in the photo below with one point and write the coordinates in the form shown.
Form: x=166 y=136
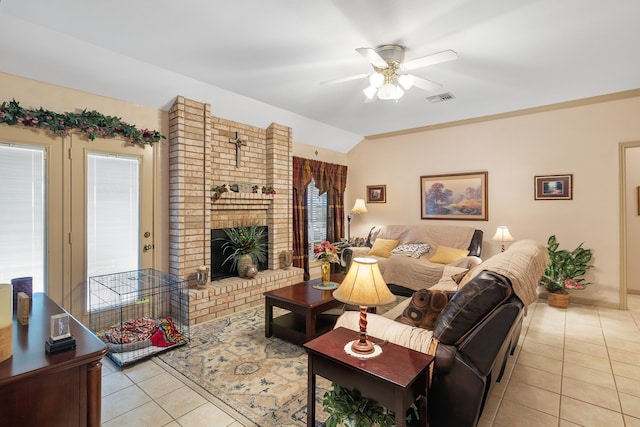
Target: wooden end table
x=306 y=304
x=395 y=379
x=60 y=389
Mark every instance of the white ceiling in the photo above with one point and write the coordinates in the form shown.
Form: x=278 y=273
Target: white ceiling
x=513 y=54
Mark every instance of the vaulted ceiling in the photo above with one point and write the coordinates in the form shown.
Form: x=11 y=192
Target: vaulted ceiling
x=512 y=54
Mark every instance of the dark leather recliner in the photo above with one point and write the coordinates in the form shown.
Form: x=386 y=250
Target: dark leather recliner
x=476 y=332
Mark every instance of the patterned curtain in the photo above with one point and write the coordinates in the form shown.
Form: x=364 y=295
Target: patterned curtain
x=335 y=201
x=301 y=179
x=329 y=178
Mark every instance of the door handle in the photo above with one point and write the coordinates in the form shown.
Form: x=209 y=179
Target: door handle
x=147 y=247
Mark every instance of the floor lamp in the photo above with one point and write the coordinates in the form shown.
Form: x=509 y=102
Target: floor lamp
x=358 y=208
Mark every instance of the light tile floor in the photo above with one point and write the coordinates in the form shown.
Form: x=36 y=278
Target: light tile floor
x=573 y=367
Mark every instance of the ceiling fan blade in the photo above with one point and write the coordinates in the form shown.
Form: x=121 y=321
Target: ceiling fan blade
x=372 y=56
x=425 y=84
x=436 y=58
x=344 y=79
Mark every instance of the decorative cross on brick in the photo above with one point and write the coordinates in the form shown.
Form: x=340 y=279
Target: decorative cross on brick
x=239 y=143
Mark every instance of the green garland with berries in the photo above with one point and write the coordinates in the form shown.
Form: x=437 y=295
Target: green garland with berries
x=92 y=123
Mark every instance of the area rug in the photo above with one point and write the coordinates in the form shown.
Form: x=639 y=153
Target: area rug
x=259 y=381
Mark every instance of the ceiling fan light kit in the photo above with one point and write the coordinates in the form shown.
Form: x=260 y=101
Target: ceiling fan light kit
x=389 y=80
x=406 y=81
x=390 y=91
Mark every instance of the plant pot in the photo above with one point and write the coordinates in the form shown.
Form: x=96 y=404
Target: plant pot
x=325 y=270
x=243 y=263
x=558 y=299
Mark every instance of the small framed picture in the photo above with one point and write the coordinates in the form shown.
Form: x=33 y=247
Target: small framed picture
x=60 y=326
x=376 y=194
x=553 y=187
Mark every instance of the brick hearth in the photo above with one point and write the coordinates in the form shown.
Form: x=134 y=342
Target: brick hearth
x=200 y=157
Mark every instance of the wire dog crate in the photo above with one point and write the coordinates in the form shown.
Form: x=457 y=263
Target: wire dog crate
x=139 y=313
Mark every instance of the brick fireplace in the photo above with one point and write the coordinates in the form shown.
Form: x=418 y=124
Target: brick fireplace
x=202 y=155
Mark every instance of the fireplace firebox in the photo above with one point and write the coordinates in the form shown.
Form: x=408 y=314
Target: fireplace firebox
x=220 y=269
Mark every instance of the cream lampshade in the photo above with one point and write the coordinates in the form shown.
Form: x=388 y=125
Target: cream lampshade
x=358 y=208
x=6 y=321
x=363 y=286
x=502 y=235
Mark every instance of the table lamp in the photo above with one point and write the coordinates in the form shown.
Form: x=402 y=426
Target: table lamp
x=358 y=208
x=502 y=235
x=363 y=286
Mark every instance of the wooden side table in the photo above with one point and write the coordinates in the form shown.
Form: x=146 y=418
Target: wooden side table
x=395 y=379
x=306 y=304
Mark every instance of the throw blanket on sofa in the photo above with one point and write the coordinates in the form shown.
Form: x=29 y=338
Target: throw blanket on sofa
x=419 y=273
x=453 y=236
x=523 y=263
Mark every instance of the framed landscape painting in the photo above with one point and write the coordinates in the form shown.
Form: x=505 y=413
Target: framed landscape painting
x=553 y=187
x=454 y=196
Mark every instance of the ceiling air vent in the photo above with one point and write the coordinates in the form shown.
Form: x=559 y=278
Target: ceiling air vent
x=440 y=98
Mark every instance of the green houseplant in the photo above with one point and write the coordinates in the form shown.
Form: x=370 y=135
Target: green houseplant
x=245 y=245
x=565 y=268
x=349 y=408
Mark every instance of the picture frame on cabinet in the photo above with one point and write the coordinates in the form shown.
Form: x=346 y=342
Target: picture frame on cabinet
x=60 y=327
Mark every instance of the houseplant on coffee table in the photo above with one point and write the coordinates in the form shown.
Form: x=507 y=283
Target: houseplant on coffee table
x=245 y=245
x=564 y=271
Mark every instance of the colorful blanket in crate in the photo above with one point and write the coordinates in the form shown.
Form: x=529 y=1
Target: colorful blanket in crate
x=139 y=333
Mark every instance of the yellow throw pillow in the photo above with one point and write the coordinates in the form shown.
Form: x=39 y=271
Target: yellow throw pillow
x=383 y=247
x=446 y=255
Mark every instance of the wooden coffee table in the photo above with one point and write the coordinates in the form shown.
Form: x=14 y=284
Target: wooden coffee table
x=395 y=379
x=305 y=304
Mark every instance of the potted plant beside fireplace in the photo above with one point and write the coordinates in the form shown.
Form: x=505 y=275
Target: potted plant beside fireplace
x=244 y=246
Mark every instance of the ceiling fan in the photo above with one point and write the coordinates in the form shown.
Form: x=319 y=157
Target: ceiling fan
x=390 y=78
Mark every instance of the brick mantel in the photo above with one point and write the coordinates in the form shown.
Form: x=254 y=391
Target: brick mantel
x=241 y=201
x=201 y=157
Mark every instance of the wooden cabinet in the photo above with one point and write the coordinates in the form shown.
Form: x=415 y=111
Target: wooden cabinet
x=62 y=389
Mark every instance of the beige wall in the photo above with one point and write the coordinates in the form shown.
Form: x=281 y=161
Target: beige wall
x=581 y=140
x=317 y=153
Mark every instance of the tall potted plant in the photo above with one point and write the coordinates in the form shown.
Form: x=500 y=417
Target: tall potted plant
x=245 y=245
x=564 y=271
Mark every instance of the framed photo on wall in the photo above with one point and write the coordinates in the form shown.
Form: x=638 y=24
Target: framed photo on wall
x=454 y=196
x=553 y=187
x=376 y=194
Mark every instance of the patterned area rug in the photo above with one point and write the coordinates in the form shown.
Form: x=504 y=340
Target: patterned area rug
x=259 y=381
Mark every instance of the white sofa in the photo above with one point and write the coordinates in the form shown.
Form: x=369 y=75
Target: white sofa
x=404 y=273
